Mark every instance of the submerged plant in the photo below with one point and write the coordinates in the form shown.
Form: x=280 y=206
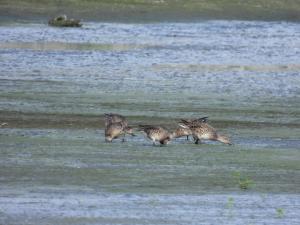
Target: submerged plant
x=243 y=182
x=154 y=202
x=230 y=203
x=229 y=206
x=279 y=213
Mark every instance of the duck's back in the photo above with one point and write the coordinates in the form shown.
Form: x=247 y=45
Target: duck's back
x=114 y=118
x=180 y=131
x=155 y=132
x=204 y=130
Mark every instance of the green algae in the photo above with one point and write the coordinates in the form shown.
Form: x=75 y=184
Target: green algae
x=80 y=158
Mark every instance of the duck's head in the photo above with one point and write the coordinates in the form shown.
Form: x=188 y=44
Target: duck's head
x=129 y=130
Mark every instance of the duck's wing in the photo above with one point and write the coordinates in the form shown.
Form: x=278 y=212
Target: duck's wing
x=185 y=122
x=111 y=115
x=183 y=125
x=113 y=118
x=208 y=128
x=115 y=126
x=107 y=119
x=149 y=128
x=146 y=127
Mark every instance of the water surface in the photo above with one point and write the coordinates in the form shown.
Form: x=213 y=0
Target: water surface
x=55 y=85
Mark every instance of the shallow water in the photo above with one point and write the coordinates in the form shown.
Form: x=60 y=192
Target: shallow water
x=89 y=208
x=56 y=84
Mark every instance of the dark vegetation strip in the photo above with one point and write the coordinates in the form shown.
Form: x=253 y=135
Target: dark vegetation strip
x=152 y=10
x=14 y=119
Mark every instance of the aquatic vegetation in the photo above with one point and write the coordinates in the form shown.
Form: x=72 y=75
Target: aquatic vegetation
x=230 y=203
x=279 y=213
x=229 y=207
x=243 y=182
x=154 y=202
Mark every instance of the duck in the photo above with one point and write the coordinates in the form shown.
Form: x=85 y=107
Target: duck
x=196 y=121
x=181 y=131
x=114 y=118
x=115 y=130
x=156 y=134
x=203 y=131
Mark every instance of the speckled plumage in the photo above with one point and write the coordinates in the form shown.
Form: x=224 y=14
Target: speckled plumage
x=115 y=130
x=180 y=132
x=202 y=130
x=156 y=133
x=195 y=121
x=115 y=126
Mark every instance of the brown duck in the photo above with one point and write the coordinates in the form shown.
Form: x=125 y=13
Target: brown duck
x=115 y=130
x=114 y=118
x=116 y=125
x=181 y=131
x=202 y=130
x=156 y=133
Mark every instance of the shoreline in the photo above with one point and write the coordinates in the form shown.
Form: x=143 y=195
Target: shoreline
x=142 y=11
